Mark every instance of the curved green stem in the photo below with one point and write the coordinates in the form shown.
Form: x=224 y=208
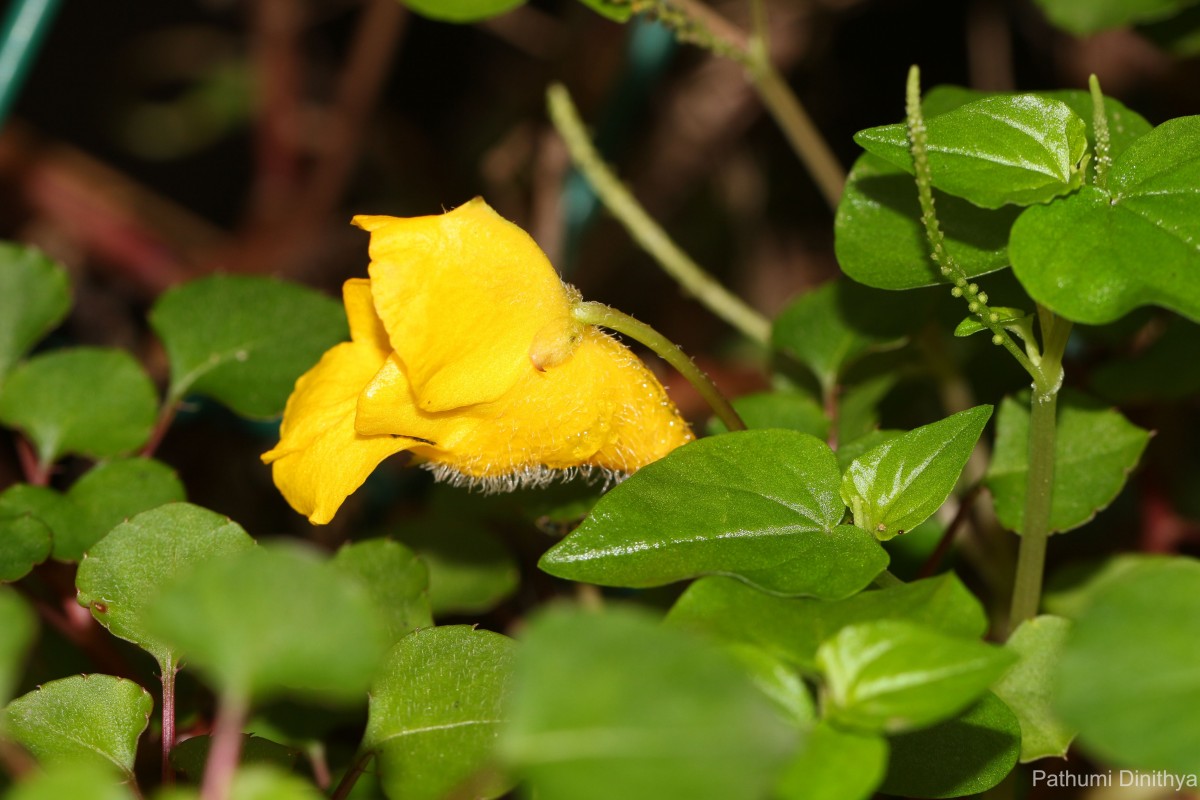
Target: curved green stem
x=591 y=313
x=642 y=227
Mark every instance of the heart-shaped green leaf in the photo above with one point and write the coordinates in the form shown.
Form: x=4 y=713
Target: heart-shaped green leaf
x=25 y=541
x=830 y=327
x=758 y=505
x=462 y=11
x=396 y=580
x=638 y=731
x=835 y=764
x=244 y=340
x=1019 y=149
x=436 y=708
x=121 y=576
x=892 y=675
x=879 y=239
x=1095 y=449
x=1098 y=254
x=897 y=485
x=17 y=627
x=105 y=496
x=34 y=297
x=89 y=401
x=269 y=621
x=90 y=718
x=1027 y=688
x=793 y=628
x=963 y=756
x=1143 y=627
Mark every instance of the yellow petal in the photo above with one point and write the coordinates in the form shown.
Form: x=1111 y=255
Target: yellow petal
x=320 y=459
x=463 y=296
x=600 y=408
x=365 y=325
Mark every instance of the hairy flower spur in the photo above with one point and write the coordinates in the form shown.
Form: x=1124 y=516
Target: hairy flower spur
x=464 y=352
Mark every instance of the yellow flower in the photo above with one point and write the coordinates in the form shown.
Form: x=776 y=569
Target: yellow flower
x=463 y=351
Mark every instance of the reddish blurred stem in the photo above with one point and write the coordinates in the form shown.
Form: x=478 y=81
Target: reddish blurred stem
x=226 y=748
x=346 y=784
x=35 y=471
x=169 y=670
x=166 y=416
x=277 y=25
x=943 y=547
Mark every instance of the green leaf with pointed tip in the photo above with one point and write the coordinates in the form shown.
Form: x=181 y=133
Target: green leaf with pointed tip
x=758 y=505
x=891 y=675
x=1095 y=449
x=104 y=497
x=77 y=781
x=89 y=401
x=963 y=756
x=1027 y=688
x=396 y=580
x=616 y=10
x=89 y=718
x=1143 y=627
x=972 y=325
x=24 y=542
x=436 y=708
x=1019 y=149
x=830 y=327
x=793 y=411
x=879 y=239
x=17 y=627
x=244 y=340
x=835 y=765
x=859 y=445
x=638 y=731
x=34 y=297
x=270 y=621
x=1084 y=19
x=793 y=628
x=121 y=576
x=896 y=486
x=1097 y=255
x=462 y=11
x=191 y=755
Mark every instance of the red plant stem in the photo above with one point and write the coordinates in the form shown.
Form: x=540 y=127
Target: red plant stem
x=943 y=547
x=346 y=784
x=35 y=471
x=166 y=416
x=169 y=670
x=277 y=28
x=226 y=747
x=15 y=761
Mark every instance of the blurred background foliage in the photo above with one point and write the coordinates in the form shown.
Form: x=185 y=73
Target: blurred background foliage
x=158 y=142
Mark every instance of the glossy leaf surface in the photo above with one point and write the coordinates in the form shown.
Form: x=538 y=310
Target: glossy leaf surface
x=759 y=505
x=893 y=676
x=898 y=484
x=1019 y=149
x=1095 y=256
